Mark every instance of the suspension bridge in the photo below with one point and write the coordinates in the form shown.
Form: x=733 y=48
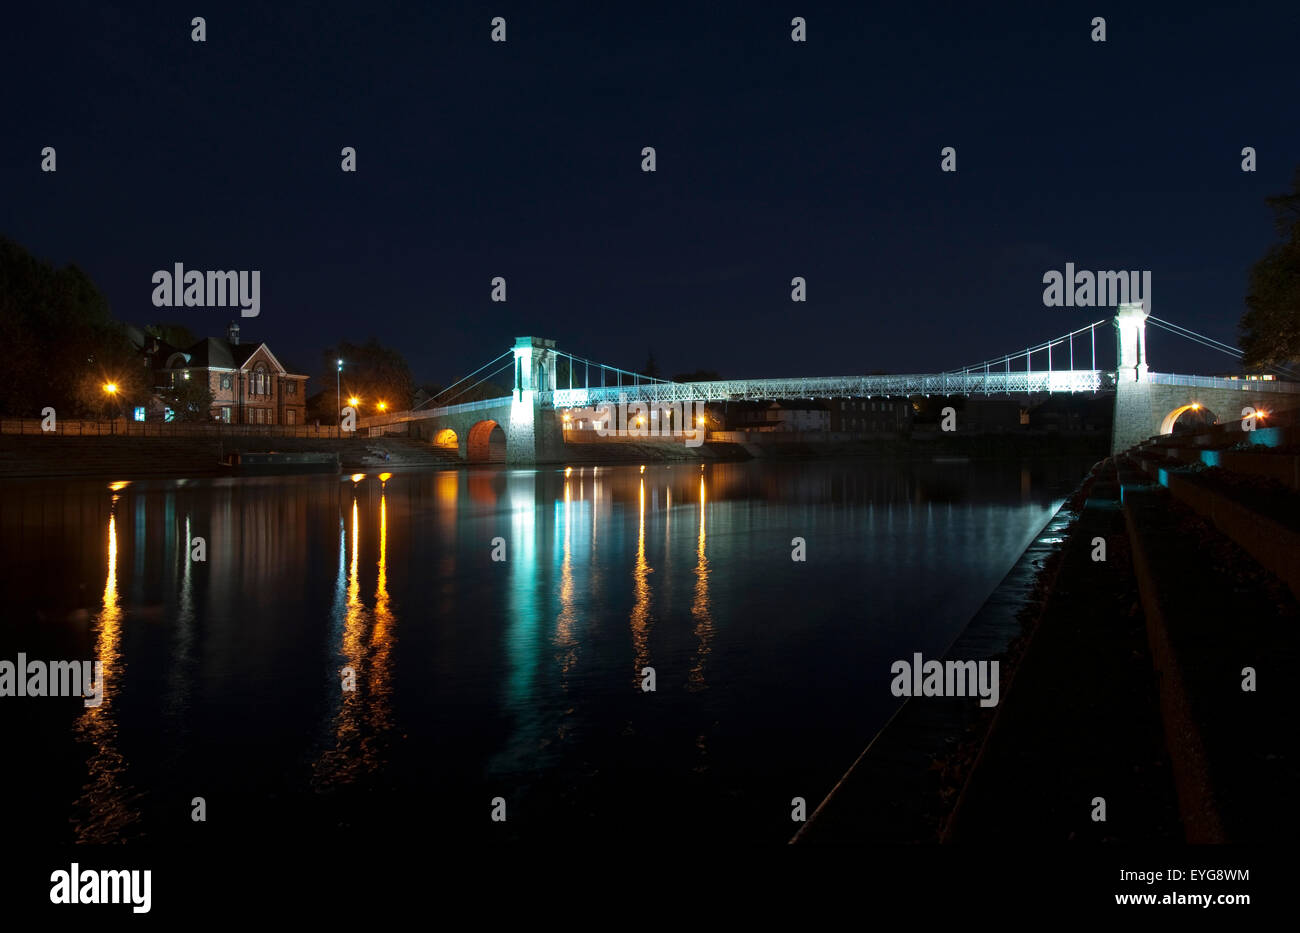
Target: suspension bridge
x=545 y=393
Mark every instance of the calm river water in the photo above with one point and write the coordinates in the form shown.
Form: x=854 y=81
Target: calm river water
x=478 y=678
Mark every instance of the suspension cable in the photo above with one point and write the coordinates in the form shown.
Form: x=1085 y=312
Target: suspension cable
x=1170 y=325
x=462 y=379
x=499 y=369
x=1212 y=344
x=614 y=369
x=1027 y=352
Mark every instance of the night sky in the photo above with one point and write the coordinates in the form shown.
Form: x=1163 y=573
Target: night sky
x=775 y=159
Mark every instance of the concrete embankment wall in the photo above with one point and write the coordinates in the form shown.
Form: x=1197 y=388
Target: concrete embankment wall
x=132 y=457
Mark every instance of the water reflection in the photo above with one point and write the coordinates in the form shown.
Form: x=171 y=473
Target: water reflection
x=700 y=606
x=181 y=675
x=105 y=808
x=515 y=669
x=363 y=719
x=640 y=619
x=523 y=627
x=565 y=637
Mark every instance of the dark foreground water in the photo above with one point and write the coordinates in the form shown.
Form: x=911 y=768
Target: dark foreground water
x=476 y=679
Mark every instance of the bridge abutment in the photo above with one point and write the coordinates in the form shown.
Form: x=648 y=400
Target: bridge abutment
x=1147 y=404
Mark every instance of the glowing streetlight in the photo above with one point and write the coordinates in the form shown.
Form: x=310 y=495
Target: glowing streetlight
x=111 y=389
x=382 y=406
x=354 y=401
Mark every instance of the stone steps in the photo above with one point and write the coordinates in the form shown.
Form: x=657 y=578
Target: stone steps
x=1211 y=612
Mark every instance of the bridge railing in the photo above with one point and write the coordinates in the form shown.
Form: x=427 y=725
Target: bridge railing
x=978 y=383
x=398 y=417
x=1218 y=382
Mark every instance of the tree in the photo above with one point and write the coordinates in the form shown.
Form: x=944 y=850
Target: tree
x=651 y=367
x=371 y=372
x=178 y=335
x=1270 y=328
x=189 y=400
x=62 y=345
x=700 y=375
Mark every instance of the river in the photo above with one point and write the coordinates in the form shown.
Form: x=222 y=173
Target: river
x=520 y=678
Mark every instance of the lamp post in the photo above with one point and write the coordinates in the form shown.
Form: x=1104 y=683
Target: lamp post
x=111 y=389
x=338 y=394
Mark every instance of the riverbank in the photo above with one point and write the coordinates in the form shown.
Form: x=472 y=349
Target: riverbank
x=1131 y=707
x=902 y=788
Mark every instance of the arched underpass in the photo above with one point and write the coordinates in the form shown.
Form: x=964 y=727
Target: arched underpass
x=1189 y=417
x=487 y=443
x=447 y=439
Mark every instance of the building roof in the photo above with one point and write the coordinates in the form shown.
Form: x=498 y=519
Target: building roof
x=208 y=353
x=212 y=352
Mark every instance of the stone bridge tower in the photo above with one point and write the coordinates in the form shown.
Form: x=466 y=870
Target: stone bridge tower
x=533 y=434
x=1132 y=420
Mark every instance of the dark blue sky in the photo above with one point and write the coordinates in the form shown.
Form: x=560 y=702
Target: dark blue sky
x=775 y=159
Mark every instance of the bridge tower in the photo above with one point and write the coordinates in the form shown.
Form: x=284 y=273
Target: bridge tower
x=1132 y=420
x=1131 y=323
x=533 y=434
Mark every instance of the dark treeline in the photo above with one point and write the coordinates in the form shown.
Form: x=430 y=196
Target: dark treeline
x=61 y=343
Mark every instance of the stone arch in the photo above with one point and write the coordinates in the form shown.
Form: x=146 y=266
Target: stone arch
x=446 y=438
x=1171 y=419
x=487 y=442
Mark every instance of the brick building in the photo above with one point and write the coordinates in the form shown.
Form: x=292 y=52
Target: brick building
x=249 y=385
x=780 y=416
x=870 y=415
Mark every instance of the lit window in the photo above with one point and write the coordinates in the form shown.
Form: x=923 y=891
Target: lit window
x=139 y=413
x=168 y=414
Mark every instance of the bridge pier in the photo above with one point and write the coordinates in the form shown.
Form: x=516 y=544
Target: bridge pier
x=533 y=433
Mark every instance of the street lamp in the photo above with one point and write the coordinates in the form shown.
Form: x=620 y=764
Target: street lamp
x=354 y=401
x=111 y=389
x=338 y=392
x=382 y=406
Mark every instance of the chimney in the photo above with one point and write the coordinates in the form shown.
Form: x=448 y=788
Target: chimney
x=232 y=334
